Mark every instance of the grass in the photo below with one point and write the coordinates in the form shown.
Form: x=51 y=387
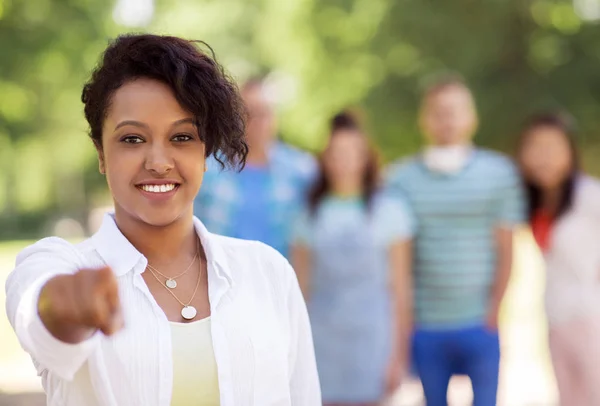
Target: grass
x=12 y=357
x=8 y=253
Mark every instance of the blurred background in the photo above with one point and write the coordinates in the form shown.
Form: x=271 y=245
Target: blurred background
x=318 y=57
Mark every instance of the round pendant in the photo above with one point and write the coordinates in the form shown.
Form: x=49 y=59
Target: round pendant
x=188 y=312
x=171 y=283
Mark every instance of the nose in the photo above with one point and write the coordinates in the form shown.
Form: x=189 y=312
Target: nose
x=158 y=160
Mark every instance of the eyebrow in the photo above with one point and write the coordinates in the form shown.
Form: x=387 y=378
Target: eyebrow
x=145 y=126
x=184 y=121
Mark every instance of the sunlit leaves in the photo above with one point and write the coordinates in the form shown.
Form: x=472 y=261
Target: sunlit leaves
x=322 y=55
x=16 y=102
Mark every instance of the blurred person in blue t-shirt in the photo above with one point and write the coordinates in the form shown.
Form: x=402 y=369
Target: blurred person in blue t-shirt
x=261 y=201
x=467 y=201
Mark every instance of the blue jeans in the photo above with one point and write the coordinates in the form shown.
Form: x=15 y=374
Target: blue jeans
x=473 y=351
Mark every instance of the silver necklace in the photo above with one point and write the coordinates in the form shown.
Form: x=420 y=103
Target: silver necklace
x=188 y=311
x=170 y=282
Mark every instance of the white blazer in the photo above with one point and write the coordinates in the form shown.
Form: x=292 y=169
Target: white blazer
x=260 y=328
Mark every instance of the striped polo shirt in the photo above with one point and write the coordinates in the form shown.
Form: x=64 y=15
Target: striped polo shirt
x=455 y=252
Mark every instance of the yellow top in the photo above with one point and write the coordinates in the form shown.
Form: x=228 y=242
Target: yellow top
x=195 y=380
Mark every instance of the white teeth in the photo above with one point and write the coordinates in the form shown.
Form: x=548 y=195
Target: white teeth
x=158 y=188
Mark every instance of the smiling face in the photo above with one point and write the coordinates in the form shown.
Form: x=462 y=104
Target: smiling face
x=152 y=154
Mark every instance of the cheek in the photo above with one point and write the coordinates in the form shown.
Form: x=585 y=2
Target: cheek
x=466 y=119
x=430 y=122
x=335 y=164
x=329 y=166
x=528 y=159
x=119 y=168
x=562 y=165
x=357 y=164
x=191 y=169
x=563 y=155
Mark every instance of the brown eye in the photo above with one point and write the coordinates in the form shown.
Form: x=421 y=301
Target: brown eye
x=182 y=138
x=132 y=139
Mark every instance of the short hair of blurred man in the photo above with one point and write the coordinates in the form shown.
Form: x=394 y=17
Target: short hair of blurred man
x=261 y=127
x=448 y=113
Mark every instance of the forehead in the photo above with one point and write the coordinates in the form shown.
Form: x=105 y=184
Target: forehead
x=254 y=92
x=451 y=93
x=347 y=139
x=546 y=134
x=145 y=100
x=255 y=95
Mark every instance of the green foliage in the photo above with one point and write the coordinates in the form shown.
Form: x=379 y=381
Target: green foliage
x=518 y=55
x=47 y=49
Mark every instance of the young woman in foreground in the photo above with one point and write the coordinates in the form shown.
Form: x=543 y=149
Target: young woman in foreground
x=154 y=310
x=352 y=256
x=564 y=213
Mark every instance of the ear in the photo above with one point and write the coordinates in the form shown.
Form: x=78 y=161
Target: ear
x=101 y=165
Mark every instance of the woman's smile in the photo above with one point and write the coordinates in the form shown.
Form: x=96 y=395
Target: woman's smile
x=158 y=190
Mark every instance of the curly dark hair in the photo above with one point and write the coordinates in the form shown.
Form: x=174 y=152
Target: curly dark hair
x=346 y=121
x=199 y=83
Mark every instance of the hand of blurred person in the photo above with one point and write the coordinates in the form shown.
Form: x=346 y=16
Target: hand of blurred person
x=393 y=378
x=73 y=307
x=492 y=319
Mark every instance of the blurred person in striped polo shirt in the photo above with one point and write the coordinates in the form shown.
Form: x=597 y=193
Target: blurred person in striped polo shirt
x=262 y=200
x=467 y=202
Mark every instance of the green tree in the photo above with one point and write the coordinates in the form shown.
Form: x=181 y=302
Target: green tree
x=47 y=49
x=518 y=55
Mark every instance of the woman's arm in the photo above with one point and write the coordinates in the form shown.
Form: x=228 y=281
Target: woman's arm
x=42 y=308
x=510 y=213
x=301 y=259
x=504 y=254
x=400 y=259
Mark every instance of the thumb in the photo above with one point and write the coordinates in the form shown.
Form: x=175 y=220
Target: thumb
x=105 y=273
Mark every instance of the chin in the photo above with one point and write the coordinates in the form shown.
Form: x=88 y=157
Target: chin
x=159 y=214
x=445 y=140
x=159 y=218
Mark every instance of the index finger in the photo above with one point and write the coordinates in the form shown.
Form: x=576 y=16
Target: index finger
x=106 y=283
x=105 y=273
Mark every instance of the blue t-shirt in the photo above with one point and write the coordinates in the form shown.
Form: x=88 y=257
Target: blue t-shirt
x=252 y=222
x=258 y=203
x=455 y=248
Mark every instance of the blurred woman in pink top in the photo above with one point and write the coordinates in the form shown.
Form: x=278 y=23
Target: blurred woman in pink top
x=564 y=213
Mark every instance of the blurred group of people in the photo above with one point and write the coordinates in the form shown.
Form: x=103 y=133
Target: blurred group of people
x=404 y=269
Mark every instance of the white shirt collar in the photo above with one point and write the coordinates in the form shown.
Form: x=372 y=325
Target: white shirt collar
x=447 y=159
x=122 y=257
